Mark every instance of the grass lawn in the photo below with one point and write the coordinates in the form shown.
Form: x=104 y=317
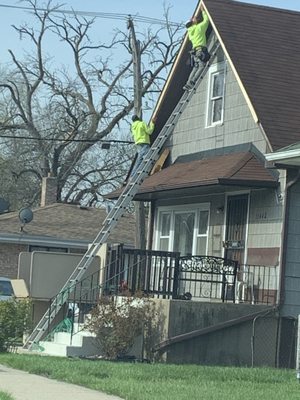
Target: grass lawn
x=5 y=396
x=164 y=382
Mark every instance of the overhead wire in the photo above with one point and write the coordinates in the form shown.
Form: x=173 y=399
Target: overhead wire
x=94 y=14
x=97 y=14
x=67 y=140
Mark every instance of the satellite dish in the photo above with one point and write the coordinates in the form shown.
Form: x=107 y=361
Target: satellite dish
x=25 y=215
x=4 y=205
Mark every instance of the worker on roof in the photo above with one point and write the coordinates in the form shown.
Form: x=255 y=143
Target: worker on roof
x=141 y=135
x=196 y=30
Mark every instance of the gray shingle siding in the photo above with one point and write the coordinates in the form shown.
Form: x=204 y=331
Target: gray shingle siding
x=292 y=270
x=190 y=135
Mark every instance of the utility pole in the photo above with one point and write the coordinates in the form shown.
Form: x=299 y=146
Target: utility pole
x=140 y=235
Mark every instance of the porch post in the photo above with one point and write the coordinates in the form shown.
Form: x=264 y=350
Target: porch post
x=176 y=276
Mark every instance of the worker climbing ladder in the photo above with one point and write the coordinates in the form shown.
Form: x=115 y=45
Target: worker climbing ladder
x=120 y=207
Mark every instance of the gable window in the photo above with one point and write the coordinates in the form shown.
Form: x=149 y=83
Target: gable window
x=215 y=104
x=184 y=230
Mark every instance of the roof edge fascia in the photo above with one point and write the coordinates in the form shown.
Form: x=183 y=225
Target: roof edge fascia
x=169 y=79
x=239 y=81
x=242 y=87
x=282 y=155
x=42 y=241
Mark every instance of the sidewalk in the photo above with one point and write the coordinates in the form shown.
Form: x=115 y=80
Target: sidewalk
x=24 y=386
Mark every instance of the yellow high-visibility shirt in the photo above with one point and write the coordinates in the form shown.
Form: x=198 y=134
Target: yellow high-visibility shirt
x=197 y=32
x=141 y=132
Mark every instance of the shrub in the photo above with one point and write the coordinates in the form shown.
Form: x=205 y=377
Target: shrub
x=116 y=322
x=15 y=320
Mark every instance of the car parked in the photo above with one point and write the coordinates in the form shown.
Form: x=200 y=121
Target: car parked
x=6 y=289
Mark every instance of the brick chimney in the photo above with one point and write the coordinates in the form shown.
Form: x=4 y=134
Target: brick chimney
x=49 y=191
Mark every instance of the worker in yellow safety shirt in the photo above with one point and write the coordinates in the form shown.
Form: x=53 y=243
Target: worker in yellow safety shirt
x=197 y=34
x=141 y=135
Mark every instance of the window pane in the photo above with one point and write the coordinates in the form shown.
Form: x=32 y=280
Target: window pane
x=184 y=232
x=203 y=221
x=164 y=244
x=6 y=288
x=217 y=110
x=218 y=82
x=165 y=224
x=201 y=246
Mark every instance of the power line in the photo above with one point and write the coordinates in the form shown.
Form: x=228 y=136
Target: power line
x=68 y=140
x=95 y=14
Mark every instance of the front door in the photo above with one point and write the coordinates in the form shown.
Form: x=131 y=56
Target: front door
x=236 y=221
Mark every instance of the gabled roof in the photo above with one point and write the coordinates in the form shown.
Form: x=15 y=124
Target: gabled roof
x=263 y=48
x=64 y=223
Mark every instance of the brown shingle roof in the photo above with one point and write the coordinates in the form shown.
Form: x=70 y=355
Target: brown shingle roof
x=242 y=169
x=264 y=47
x=263 y=44
x=66 y=221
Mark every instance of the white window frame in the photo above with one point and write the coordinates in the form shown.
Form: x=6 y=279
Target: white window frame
x=214 y=70
x=193 y=208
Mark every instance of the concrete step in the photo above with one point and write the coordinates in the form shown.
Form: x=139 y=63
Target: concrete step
x=74 y=340
x=53 y=349
x=81 y=346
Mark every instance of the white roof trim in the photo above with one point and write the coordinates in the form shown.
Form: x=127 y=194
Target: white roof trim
x=283 y=155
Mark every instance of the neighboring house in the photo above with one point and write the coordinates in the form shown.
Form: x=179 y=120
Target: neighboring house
x=216 y=195
x=56 y=227
x=288 y=159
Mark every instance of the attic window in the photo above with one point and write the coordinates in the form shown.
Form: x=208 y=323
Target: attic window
x=215 y=103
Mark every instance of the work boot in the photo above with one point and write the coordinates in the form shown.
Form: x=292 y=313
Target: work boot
x=189 y=85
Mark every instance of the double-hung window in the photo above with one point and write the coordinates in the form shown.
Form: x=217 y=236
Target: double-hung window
x=216 y=89
x=183 y=229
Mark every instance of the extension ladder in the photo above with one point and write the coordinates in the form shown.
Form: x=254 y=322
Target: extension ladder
x=118 y=210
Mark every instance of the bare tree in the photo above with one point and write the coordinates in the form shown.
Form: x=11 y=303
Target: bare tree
x=65 y=115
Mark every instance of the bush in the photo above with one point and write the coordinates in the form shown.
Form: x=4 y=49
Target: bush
x=15 y=320
x=116 y=322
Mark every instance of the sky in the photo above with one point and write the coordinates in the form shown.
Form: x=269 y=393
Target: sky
x=103 y=30
x=180 y=11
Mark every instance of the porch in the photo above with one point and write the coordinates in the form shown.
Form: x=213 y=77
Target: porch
x=168 y=275
x=199 y=294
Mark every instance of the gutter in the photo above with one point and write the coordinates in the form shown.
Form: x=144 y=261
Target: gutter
x=283 y=155
x=42 y=241
x=162 y=346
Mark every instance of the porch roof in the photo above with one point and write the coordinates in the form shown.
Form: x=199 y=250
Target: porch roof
x=242 y=169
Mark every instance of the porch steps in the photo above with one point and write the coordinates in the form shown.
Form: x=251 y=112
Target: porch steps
x=82 y=344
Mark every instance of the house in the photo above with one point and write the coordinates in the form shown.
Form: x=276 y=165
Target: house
x=56 y=227
x=217 y=196
x=224 y=231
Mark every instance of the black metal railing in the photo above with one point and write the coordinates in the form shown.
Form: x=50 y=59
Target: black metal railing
x=147 y=271
x=78 y=299
x=167 y=275
x=207 y=277
x=257 y=284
